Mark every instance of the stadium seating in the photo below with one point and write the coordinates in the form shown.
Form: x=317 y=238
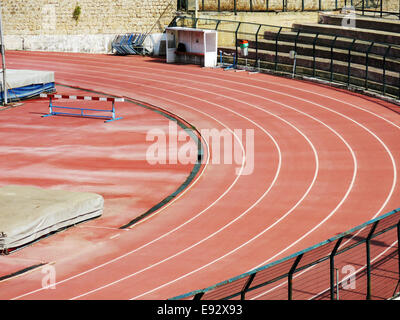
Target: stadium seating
x=366 y=55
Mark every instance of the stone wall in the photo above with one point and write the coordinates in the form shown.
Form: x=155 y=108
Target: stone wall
x=49 y=17
x=49 y=25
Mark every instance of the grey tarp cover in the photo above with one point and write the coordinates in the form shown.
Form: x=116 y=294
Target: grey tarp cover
x=27 y=213
x=21 y=78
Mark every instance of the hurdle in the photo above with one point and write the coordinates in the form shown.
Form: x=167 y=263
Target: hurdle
x=224 y=65
x=52 y=112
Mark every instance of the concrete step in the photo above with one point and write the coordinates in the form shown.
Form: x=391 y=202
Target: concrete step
x=340 y=70
x=318 y=51
x=362 y=22
x=358 y=33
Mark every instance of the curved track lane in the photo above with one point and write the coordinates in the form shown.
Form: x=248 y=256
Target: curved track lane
x=325 y=160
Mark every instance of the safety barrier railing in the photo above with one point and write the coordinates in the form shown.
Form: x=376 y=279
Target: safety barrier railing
x=377 y=8
x=362 y=263
x=267 y=5
x=381 y=8
x=350 y=61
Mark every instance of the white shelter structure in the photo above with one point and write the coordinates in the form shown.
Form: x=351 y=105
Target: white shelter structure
x=190 y=45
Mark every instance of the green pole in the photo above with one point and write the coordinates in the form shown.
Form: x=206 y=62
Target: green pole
x=332 y=267
x=290 y=277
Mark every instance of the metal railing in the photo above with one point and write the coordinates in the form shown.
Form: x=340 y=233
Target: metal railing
x=349 y=61
x=376 y=8
x=381 y=8
x=362 y=263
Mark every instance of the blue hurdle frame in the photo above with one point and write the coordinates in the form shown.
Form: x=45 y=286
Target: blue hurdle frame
x=81 y=114
x=232 y=66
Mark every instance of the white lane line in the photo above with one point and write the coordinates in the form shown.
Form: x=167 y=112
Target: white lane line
x=171 y=231
x=222 y=228
x=350 y=187
x=354 y=160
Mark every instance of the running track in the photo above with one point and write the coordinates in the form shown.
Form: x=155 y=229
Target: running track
x=325 y=160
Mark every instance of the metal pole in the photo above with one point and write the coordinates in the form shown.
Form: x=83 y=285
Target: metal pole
x=337 y=284
x=331 y=67
x=276 y=48
x=294 y=64
x=398 y=256
x=349 y=62
x=236 y=39
x=384 y=70
x=247 y=286
x=367 y=242
x=332 y=269
x=290 y=277
x=196 y=14
x=3 y=58
x=366 y=64
x=258 y=30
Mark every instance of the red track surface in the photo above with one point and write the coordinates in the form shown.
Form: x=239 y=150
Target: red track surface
x=325 y=160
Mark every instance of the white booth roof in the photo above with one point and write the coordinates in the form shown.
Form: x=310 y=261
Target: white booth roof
x=190 y=29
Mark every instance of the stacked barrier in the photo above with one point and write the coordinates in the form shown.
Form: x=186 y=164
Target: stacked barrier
x=129 y=44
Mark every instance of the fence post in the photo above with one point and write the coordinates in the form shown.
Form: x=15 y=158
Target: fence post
x=198 y=296
x=349 y=62
x=246 y=286
x=398 y=257
x=290 y=277
x=331 y=66
x=219 y=5
x=236 y=41
x=235 y=6
x=398 y=84
x=384 y=69
x=251 y=5
x=258 y=30
x=332 y=267
x=367 y=242
x=314 y=58
x=276 y=48
x=217 y=25
x=366 y=64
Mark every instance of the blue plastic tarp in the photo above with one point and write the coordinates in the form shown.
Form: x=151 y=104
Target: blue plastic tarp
x=29 y=91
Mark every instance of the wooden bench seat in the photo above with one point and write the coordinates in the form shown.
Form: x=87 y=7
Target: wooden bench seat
x=186 y=53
